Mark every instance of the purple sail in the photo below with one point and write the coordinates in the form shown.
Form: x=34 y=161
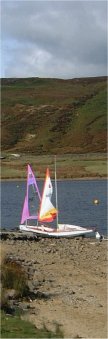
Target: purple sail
x=30 y=181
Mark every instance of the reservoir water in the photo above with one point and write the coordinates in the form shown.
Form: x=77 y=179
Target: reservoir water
x=75 y=203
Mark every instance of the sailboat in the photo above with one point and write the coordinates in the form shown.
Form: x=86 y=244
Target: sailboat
x=47 y=213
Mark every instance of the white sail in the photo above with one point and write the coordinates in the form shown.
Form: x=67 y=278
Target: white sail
x=47 y=211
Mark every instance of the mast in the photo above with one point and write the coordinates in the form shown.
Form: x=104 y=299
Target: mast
x=56 y=192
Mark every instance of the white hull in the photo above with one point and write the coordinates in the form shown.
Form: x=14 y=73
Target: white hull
x=63 y=231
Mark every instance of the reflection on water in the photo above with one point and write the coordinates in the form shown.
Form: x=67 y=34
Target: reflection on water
x=75 y=203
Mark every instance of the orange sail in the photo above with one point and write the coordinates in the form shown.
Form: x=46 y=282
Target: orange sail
x=47 y=211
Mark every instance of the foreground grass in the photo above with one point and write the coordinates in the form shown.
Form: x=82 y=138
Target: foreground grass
x=14 y=327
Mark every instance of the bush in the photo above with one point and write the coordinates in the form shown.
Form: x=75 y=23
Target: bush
x=14 y=277
x=4 y=303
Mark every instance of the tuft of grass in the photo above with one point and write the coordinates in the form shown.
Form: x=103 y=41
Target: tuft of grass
x=14 y=277
x=4 y=301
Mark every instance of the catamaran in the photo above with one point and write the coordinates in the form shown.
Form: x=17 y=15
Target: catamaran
x=47 y=213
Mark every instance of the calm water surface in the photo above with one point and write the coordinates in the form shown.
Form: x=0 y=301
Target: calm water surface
x=75 y=203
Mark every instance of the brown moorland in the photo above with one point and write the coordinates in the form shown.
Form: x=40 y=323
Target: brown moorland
x=54 y=116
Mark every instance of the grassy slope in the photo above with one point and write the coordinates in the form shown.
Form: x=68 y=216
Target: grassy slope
x=48 y=116
x=15 y=327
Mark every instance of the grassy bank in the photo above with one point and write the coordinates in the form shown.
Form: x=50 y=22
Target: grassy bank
x=15 y=327
x=68 y=166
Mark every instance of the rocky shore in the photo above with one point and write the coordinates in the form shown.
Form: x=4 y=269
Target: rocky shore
x=67 y=280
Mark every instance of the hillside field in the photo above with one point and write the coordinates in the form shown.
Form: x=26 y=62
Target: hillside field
x=68 y=166
x=53 y=116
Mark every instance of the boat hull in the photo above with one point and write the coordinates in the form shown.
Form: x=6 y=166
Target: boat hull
x=63 y=231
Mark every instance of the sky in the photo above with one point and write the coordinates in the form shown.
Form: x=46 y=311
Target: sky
x=53 y=39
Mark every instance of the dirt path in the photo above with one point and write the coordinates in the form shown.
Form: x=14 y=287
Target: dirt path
x=72 y=276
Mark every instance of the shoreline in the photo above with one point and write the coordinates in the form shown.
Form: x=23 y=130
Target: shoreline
x=70 y=275
x=16 y=233
x=60 y=179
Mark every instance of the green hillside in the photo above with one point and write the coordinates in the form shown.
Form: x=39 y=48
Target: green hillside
x=53 y=116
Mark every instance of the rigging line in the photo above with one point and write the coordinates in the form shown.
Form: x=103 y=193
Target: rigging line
x=56 y=191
